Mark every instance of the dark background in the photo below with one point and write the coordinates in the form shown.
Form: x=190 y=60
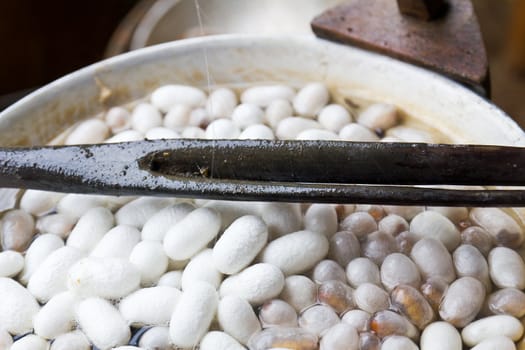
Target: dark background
x=41 y=40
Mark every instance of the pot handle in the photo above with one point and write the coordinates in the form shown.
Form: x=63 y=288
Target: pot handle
x=442 y=36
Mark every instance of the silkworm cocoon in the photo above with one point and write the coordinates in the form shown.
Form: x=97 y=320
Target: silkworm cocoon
x=334 y=117
x=156 y=338
x=281 y=218
x=149 y=306
x=340 y=337
x=137 y=212
x=151 y=261
x=57 y=224
x=192 y=233
x=318 y=319
x=75 y=205
x=321 y=218
x=216 y=340
x=89 y=131
x=379 y=116
x=30 y=342
x=433 y=259
x=145 y=117
x=159 y=133
x=362 y=270
x=277 y=111
x=201 y=268
x=117 y=242
x=296 y=252
x=506 y=268
x=311 y=99
x=18 y=307
x=256 y=284
x=167 y=96
x=240 y=244
x=501 y=226
x=237 y=318
x=109 y=278
x=126 y=136
x=221 y=103
x=57 y=316
x=247 y=114
x=222 y=129
x=193 y=314
x=102 y=323
x=492 y=326
x=11 y=263
x=290 y=127
x=117 y=119
x=434 y=225
x=317 y=134
x=156 y=227
x=72 y=340
x=38 y=251
x=264 y=95
x=171 y=279
x=357 y=132
x=38 y=202
x=440 y=336
x=498 y=342
x=50 y=278
x=5 y=339
x=299 y=291
x=90 y=229
x=397 y=342
x=257 y=132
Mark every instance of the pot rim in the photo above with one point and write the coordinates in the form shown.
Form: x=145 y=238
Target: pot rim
x=319 y=48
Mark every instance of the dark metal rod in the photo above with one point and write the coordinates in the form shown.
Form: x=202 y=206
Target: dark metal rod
x=343 y=162
x=125 y=169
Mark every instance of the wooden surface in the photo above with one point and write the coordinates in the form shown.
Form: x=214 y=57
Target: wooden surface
x=451 y=45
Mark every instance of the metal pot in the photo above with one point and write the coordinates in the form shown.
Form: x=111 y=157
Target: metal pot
x=239 y=60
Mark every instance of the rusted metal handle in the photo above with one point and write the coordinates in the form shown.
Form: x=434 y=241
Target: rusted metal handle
x=443 y=37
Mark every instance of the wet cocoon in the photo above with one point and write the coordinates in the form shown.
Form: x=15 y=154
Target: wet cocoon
x=192 y=233
x=240 y=244
x=440 y=336
x=296 y=252
x=109 y=278
x=193 y=314
x=102 y=323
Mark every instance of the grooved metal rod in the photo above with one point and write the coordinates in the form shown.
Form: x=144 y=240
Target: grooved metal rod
x=262 y=170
